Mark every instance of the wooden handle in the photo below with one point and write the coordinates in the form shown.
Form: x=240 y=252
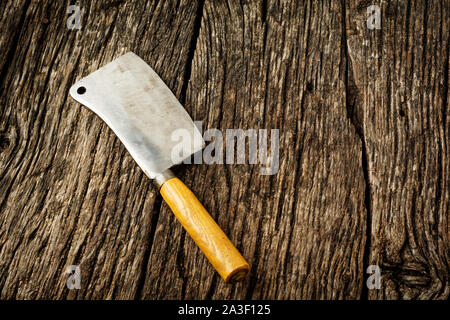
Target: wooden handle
x=219 y=250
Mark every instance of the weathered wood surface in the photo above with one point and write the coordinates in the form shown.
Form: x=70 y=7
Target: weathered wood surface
x=364 y=155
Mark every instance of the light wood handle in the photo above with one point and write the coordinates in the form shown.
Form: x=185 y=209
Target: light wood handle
x=219 y=250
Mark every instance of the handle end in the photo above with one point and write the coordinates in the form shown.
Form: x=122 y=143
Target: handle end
x=239 y=274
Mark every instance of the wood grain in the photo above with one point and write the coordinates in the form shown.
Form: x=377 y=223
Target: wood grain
x=399 y=97
x=364 y=158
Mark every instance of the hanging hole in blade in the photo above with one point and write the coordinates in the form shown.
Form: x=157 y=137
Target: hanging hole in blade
x=81 y=90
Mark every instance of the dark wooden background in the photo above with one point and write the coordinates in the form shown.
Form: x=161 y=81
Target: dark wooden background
x=364 y=154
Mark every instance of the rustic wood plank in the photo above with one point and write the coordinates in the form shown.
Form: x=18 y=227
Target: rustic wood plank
x=364 y=155
x=69 y=192
x=399 y=81
x=303 y=229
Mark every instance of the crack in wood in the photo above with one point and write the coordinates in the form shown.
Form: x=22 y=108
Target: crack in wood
x=154 y=223
x=352 y=102
x=8 y=63
x=191 y=52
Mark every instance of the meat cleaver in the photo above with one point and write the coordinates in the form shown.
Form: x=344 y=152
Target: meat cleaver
x=142 y=111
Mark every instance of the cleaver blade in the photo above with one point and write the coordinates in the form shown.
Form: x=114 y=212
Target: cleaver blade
x=142 y=111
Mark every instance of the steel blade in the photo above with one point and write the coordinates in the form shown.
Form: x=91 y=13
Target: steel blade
x=141 y=110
